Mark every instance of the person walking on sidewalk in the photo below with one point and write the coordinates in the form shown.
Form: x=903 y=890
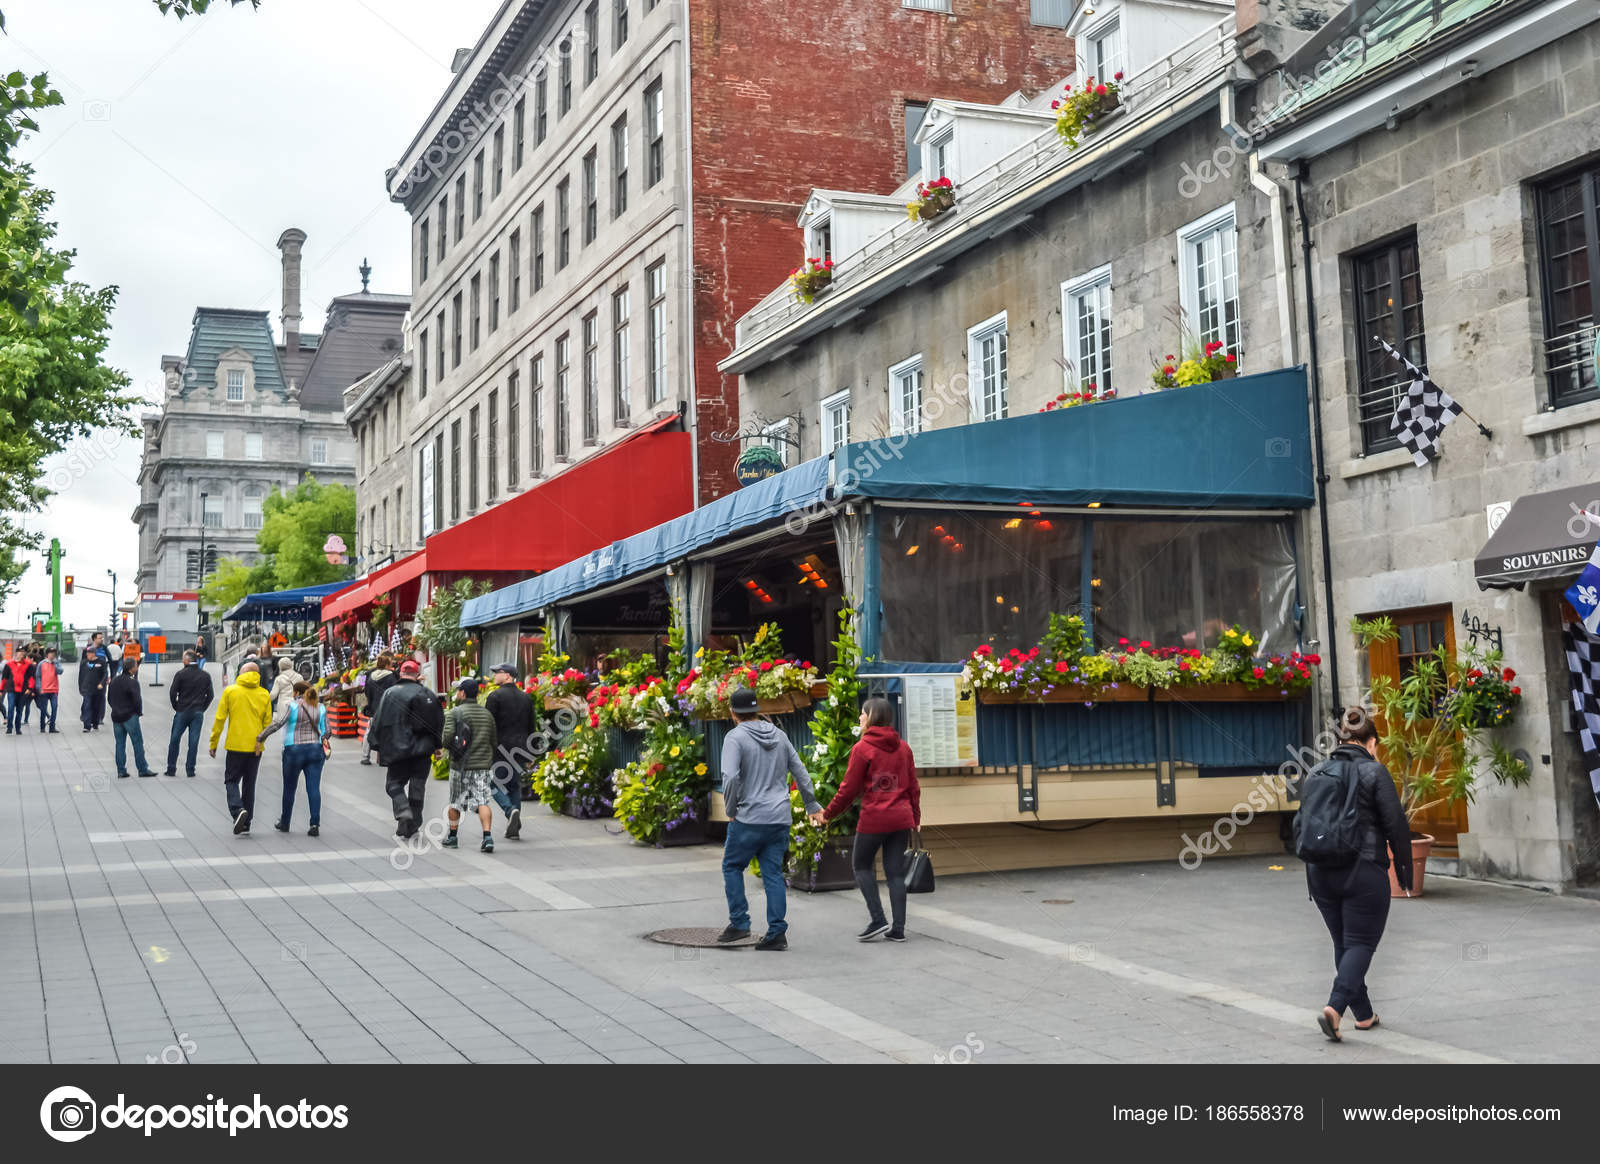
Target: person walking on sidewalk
x=469 y=737
x=18 y=682
x=245 y=708
x=93 y=674
x=513 y=725
x=190 y=693
x=49 y=689
x=883 y=775
x=406 y=732
x=757 y=763
x=379 y=680
x=1352 y=892
x=283 y=685
x=305 y=749
x=127 y=706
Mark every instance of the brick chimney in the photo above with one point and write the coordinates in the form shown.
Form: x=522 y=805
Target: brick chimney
x=290 y=242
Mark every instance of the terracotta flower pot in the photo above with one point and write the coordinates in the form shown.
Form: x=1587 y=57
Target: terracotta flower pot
x=1421 y=846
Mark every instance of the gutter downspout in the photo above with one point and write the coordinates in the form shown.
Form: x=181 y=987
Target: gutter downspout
x=1322 y=477
x=686 y=43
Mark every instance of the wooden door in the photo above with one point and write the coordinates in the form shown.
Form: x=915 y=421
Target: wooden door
x=1420 y=633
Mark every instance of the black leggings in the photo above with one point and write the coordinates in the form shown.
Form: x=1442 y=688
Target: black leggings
x=1354 y=901
x=894 y=870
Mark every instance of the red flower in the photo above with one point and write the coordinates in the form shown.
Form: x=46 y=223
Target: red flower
x=1055 y=105
x=1474 y=674
x=1122 y=642
x=806 y=666
x=1516 y=691
x=1062 y=666
x=1258 y=672
x=1033 y=653
x=944 y=182
x=1508 y=674
x=828 y=266
x=985 y=649
x=766 y=666
x=1228 y=359
x=1117 y=76
x=1099 y=90
x=1144 y=645
x=1183 y=666
x=1168 y=370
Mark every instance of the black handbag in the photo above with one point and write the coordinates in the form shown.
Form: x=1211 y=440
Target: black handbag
x=919 y=865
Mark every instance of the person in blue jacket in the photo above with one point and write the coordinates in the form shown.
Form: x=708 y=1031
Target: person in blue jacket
x=305 y=744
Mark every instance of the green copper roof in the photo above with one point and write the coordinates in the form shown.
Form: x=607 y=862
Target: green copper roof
x=220 y=329
x=1398 y=29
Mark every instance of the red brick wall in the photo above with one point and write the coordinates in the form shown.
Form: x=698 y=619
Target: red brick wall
x=786 y=97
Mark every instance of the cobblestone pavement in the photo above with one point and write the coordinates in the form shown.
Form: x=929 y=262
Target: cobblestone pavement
x=134 y=927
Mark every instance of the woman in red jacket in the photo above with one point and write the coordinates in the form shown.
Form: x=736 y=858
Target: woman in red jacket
x=884 y=776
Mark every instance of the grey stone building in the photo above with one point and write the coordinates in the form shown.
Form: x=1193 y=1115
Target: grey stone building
x=1450 y=198
x=244 y=415
x=375 y=410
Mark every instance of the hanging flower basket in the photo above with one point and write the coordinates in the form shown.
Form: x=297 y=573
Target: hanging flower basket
x=1083 y=111
x=1200 y=364
x=811 y=279
x=934 y=200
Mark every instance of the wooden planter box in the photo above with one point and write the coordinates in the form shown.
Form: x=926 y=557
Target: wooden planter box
x=1210 y=693
x=576 y=813
x=692 y=833
x=792 y=701
x=1227 y=693
x=1228 y=372
x=938 y=208
x=833 y=872
x=1071 y=694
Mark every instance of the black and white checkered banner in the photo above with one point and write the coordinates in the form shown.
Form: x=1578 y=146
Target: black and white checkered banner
x=376 y=648
x=1420 y=418
x=395 y=641
x=327 y=665
x=1583 y=668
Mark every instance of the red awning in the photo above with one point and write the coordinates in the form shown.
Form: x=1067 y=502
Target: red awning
x=380 y=581
x=641 y=481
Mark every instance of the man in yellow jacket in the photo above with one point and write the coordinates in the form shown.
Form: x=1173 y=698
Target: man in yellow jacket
x=247 y=711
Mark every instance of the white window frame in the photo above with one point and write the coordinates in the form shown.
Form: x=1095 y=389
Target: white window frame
x=927 y=5
x=1222 y=218
x=1108 y=29
x=942 y=138
x=252 y=511
x=216 y=446
x=252 y=446
x=1072 y=292
x=235 y=391
x=995 y=325
x=426 y=499
x=899 y=423
x=820 y=222
x=319 y=450
x=209 y=506
x=778 y=428
x=829 y=420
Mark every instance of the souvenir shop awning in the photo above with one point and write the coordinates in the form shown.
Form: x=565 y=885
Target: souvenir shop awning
x=1240 y=444
x=386 y=578
x=643 y=479
x=1544 y=536
x=302 y=605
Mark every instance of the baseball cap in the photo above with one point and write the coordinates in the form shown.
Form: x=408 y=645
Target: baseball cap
x=505 y=669
x=410 y=669
x=744 y=701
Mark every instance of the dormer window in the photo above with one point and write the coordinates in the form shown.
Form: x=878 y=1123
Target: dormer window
x=1105 y=50
x=939 y=158
x=819 y=237
x=235 y=383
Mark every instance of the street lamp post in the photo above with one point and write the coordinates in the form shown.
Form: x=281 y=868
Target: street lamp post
x=199 y=608
x=111 y=627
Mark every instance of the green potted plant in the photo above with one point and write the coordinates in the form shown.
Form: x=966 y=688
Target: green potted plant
x=1083 y=111
x=819 y=858
x=934 y=199
x=811 y=278
x=1433 y=726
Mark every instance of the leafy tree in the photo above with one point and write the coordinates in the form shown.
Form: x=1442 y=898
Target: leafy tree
x=295 y=526
x=232 y=580
x=439 y=628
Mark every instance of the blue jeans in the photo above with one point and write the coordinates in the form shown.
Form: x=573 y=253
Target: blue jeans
x=185 y=721
x=766 y=843
x=307 y=758
x=47 y=711
x=125 y=731
x=15 y=702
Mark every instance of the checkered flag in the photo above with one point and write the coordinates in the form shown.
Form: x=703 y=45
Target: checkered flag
x=1583 y=669
x=327 y=666
x=395 y=642
x=344 y=657
x=376 y=648
x=1420 y=418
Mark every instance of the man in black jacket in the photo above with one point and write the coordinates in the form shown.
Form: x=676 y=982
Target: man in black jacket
x=379 y=680
x=407 y=729
x=190 y=694
x=127 y=705
x=93 y=674
x=512 y=710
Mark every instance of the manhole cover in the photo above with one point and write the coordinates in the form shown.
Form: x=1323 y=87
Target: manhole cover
x=696 y=936
x=1058 y=901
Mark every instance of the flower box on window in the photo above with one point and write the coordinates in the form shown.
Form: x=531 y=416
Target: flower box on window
x=811 y=279
x=934 y=200
x=1200 y=364
x=1080 y=112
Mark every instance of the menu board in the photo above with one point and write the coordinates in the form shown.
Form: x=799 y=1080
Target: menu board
x=941 y=722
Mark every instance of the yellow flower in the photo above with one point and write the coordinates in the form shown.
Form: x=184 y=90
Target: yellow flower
x=675 y=750
x=1247 y=641
x=699 y=769
x=1228 y=634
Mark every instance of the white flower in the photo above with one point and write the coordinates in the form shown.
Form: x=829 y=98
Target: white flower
x=821 y=750
x=856 y=730
x=833 y=701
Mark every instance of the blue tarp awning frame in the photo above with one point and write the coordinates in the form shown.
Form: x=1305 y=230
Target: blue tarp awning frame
x=301 y=605
x=1242 y=443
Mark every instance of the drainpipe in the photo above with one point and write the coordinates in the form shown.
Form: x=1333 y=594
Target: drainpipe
x=1322 y=477
x=1280 y=259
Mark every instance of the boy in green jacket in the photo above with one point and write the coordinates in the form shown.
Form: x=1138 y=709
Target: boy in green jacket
x=472 y=771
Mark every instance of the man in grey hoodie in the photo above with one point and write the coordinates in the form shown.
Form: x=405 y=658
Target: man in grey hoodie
x=757 y=762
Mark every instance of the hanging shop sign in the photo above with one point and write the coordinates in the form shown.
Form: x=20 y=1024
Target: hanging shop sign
x=757 y=463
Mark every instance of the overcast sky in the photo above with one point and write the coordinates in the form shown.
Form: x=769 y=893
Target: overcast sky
x=183 y=150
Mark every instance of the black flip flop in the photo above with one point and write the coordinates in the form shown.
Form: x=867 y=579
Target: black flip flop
x=1328 y=1029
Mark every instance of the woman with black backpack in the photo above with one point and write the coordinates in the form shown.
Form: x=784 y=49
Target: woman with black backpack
x=1350 y=885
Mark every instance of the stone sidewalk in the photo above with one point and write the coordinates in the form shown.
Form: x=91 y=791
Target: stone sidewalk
x=135 y=927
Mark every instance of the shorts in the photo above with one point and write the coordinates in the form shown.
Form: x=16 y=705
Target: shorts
x=471 y=789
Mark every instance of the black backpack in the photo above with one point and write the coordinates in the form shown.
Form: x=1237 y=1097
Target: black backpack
x=1327 y=829
x=461 y=739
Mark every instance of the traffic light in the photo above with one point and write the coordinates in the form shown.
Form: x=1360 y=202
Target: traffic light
x=67 y=583
x=38 y=627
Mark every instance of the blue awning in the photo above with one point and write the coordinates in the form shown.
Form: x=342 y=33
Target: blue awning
x=302 y=605
x=1243 y=443
x=755 y=505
